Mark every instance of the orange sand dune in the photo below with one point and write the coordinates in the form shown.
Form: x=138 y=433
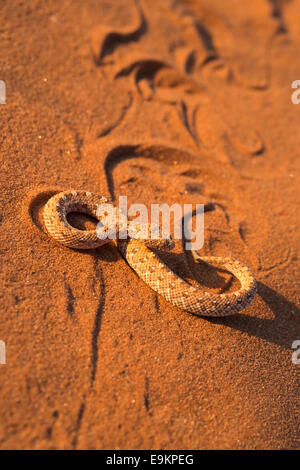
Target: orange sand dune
x=182 y=101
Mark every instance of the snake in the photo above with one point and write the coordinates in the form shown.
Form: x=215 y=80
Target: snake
x=140 y=254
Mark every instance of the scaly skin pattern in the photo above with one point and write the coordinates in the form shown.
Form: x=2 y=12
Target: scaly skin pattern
x=145 y=262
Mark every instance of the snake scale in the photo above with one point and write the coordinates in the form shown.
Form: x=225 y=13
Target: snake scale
x=148 y=266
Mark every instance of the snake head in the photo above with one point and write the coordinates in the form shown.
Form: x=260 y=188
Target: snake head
x=160 y=244
x=164 y=243
x=169 y=244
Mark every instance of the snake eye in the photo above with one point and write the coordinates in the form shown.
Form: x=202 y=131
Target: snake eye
x=170 y=244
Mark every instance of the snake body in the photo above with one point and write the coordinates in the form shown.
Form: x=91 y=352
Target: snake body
x=148 y=266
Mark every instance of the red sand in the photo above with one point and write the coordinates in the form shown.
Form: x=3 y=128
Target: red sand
x=198 y=95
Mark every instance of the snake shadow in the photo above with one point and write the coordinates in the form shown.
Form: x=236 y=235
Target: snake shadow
x=281 y=330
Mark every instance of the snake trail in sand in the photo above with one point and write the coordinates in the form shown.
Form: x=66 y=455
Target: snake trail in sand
x=144 y=261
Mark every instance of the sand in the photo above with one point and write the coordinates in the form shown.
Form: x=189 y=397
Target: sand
x=162 y=101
